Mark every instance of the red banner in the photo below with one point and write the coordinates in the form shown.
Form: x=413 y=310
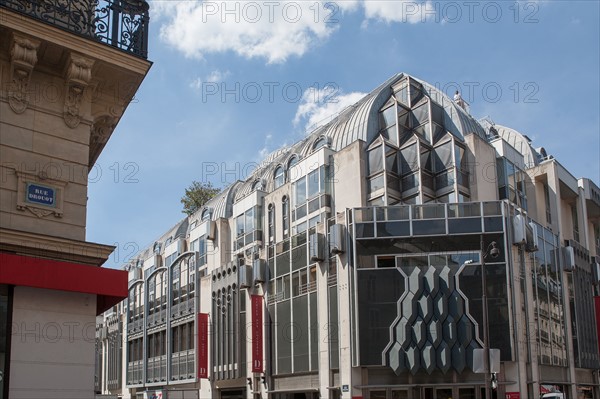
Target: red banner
x=597 y=306
x=202 y=345
x=257 y=333
x=512 y=395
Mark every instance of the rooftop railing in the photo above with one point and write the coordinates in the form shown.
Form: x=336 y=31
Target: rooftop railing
x=122 y=24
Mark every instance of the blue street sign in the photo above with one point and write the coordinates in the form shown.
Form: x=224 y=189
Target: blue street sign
x=41 y=195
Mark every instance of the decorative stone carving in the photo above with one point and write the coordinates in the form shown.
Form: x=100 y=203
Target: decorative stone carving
x=23 y=57
x=101 y=130
x=78 y=76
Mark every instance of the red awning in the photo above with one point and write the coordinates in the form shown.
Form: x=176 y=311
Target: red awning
x=109 y=285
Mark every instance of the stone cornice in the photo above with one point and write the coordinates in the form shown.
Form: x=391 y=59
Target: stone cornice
x=31 y=244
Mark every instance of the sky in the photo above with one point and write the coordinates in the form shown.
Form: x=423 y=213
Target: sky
x=232 y=81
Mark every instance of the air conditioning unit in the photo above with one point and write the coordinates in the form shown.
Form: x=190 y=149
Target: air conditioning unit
x=337 y=239
x=259 y=270
x=531 y=237
x=136 y=274
x=245 y=276
x=568 y=258
x=316 y=248
x=519 y=235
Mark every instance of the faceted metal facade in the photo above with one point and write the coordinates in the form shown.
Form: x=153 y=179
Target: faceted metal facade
x=434 y=330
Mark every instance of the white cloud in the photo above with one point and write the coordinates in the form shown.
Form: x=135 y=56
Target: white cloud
x=271 y=30
x=263 y=152
x=405 y=11
x=320 y=106
x=215 y=76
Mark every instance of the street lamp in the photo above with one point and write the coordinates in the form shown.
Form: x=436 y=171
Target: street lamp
x=493 y=251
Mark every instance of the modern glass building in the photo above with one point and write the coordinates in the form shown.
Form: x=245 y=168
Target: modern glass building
x=403 y=250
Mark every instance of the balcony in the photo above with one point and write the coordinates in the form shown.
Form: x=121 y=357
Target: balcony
x=122 y=24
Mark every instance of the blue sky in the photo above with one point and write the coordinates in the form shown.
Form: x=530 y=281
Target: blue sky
x=233 y=81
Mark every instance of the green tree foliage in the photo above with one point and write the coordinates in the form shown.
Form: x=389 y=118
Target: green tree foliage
x=196 y=195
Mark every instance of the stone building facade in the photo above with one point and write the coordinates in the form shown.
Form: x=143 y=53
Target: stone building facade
x=65 y=81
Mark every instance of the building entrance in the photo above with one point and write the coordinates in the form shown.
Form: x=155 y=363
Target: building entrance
x=448 y=392
x=233 y=394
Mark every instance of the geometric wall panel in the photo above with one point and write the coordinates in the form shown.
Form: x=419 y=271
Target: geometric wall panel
x=434 y=330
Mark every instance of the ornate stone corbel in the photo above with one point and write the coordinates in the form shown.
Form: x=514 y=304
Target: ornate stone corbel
x=101 y=130
x=78 y=76
x=23 y=57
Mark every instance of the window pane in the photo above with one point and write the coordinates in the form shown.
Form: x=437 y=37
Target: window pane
x=420 y=114
x=409 y=159
x=313 y=183
x=279 y=177
x=239 y=223
x=250 y=219
x=391 y=162
x=443 y=157
x=300 y=190
x=376 y=183
x=387 y=117
x=375 y=160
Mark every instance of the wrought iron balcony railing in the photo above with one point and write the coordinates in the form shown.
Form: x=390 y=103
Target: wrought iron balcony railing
x=122 y=24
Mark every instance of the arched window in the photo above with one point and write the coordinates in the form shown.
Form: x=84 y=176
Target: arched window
x=279 y=176
x=291 y=163
x=257 y=185
x=285 y=216
x=206 y=214
x=321 y=142
x=271 y=223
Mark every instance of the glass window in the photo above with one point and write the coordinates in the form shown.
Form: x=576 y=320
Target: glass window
x=375 y=160
x=575 y=218
x=300 y=191
x=250 y=219
x=239 y=224
x=313 y=183
x=293 y=161
x=376 y=183
x=403 y=117
x=443 y=157
x=391 y=160
x=321 y=142
x=547 y=202
x=271 y=222
x=426 y=163
x=420 y=114
x=285 y=216
x=402 y=95
x=461 y=160
x=202 y=251
x=408 y=160
x=279 y=177
x=387 y=117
